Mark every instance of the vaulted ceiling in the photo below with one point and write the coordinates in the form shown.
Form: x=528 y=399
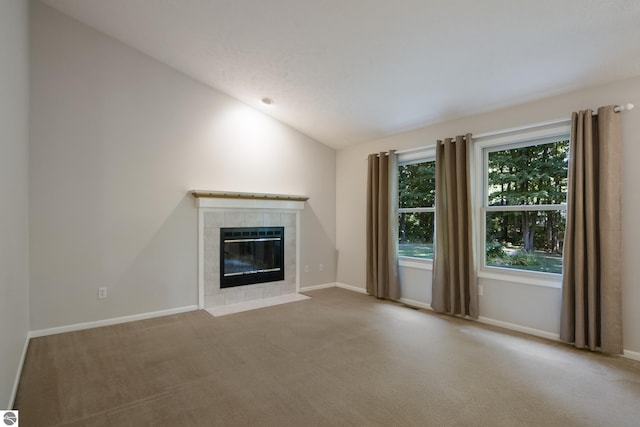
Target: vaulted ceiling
x=348 y=71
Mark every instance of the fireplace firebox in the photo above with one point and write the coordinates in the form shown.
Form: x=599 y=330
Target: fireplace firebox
x=250 y=255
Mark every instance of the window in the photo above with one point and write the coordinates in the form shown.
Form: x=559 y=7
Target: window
x=524 y=204
x=416 y=194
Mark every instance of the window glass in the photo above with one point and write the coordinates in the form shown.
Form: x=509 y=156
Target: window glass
x=533 y=175
x=416 y=194
x=417 y=185
x=525 y=240
x=416 y=234
x=525 y=206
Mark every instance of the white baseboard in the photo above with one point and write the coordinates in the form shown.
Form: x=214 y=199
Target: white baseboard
x=351 y=288
x=519 y=328
x=628 y=354
x=414 y=303
x=112 y=321
x=316 y=287
x=634 y=355
x=16 y=382
x=489 y=321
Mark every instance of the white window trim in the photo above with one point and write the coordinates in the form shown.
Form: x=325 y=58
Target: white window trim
x=417 y=155
x=416 y=210
x=503 y=140
x=411 y=157
x=413 y=262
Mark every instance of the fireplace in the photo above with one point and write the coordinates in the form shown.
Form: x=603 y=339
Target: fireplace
x=221 y=212
x=251 y=255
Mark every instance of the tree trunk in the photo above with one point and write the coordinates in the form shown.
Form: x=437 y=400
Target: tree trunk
x=528 y=232
x=505 y=227
x=549 y=226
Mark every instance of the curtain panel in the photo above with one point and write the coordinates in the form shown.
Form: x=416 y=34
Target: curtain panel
x=382 y=226
x=454 y=289
x=592 y=278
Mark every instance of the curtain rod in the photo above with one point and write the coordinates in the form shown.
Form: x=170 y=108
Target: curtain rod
x=625 y=107
x=616 y=109
x=495 y=133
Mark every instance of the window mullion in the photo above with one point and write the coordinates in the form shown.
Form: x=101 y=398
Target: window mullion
x=530 y=208
x=416 y=210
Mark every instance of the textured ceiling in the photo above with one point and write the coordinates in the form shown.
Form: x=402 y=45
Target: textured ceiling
x=348 y=71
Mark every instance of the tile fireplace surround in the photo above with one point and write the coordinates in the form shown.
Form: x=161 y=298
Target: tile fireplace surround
x=225 y=209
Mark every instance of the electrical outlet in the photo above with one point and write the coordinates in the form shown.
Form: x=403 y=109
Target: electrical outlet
x=480 y=290
x=321 y=267
x=306 y=268
x=102 y=292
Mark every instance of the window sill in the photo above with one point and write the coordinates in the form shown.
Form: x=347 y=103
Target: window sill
x=495 y=273
x=535 y=279
x=418 y=263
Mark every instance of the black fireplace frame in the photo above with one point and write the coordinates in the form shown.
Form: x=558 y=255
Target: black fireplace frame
x=248 y=235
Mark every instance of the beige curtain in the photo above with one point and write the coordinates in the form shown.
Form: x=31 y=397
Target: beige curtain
x=454 y=289
x=382 y=226
x=592 y=278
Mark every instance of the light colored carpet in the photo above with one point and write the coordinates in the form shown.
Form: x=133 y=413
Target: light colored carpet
x=340 y=358
x=224 y=310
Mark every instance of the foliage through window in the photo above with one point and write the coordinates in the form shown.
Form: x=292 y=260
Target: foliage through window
x=416 y=194
x=525 y=206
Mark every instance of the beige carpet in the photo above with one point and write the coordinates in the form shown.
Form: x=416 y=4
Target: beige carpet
x=340 y=358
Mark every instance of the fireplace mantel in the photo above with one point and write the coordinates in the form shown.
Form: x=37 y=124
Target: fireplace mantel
x=227 y=199
x=236 y=195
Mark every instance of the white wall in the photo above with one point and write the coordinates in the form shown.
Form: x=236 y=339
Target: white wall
x=117 y=140
x=524 y=305
x=14 y=188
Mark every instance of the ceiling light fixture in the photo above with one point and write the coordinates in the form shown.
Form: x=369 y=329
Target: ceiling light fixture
x=267 y=101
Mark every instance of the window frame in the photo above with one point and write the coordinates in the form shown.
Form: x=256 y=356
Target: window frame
x=516 y=138
x=411 y=157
